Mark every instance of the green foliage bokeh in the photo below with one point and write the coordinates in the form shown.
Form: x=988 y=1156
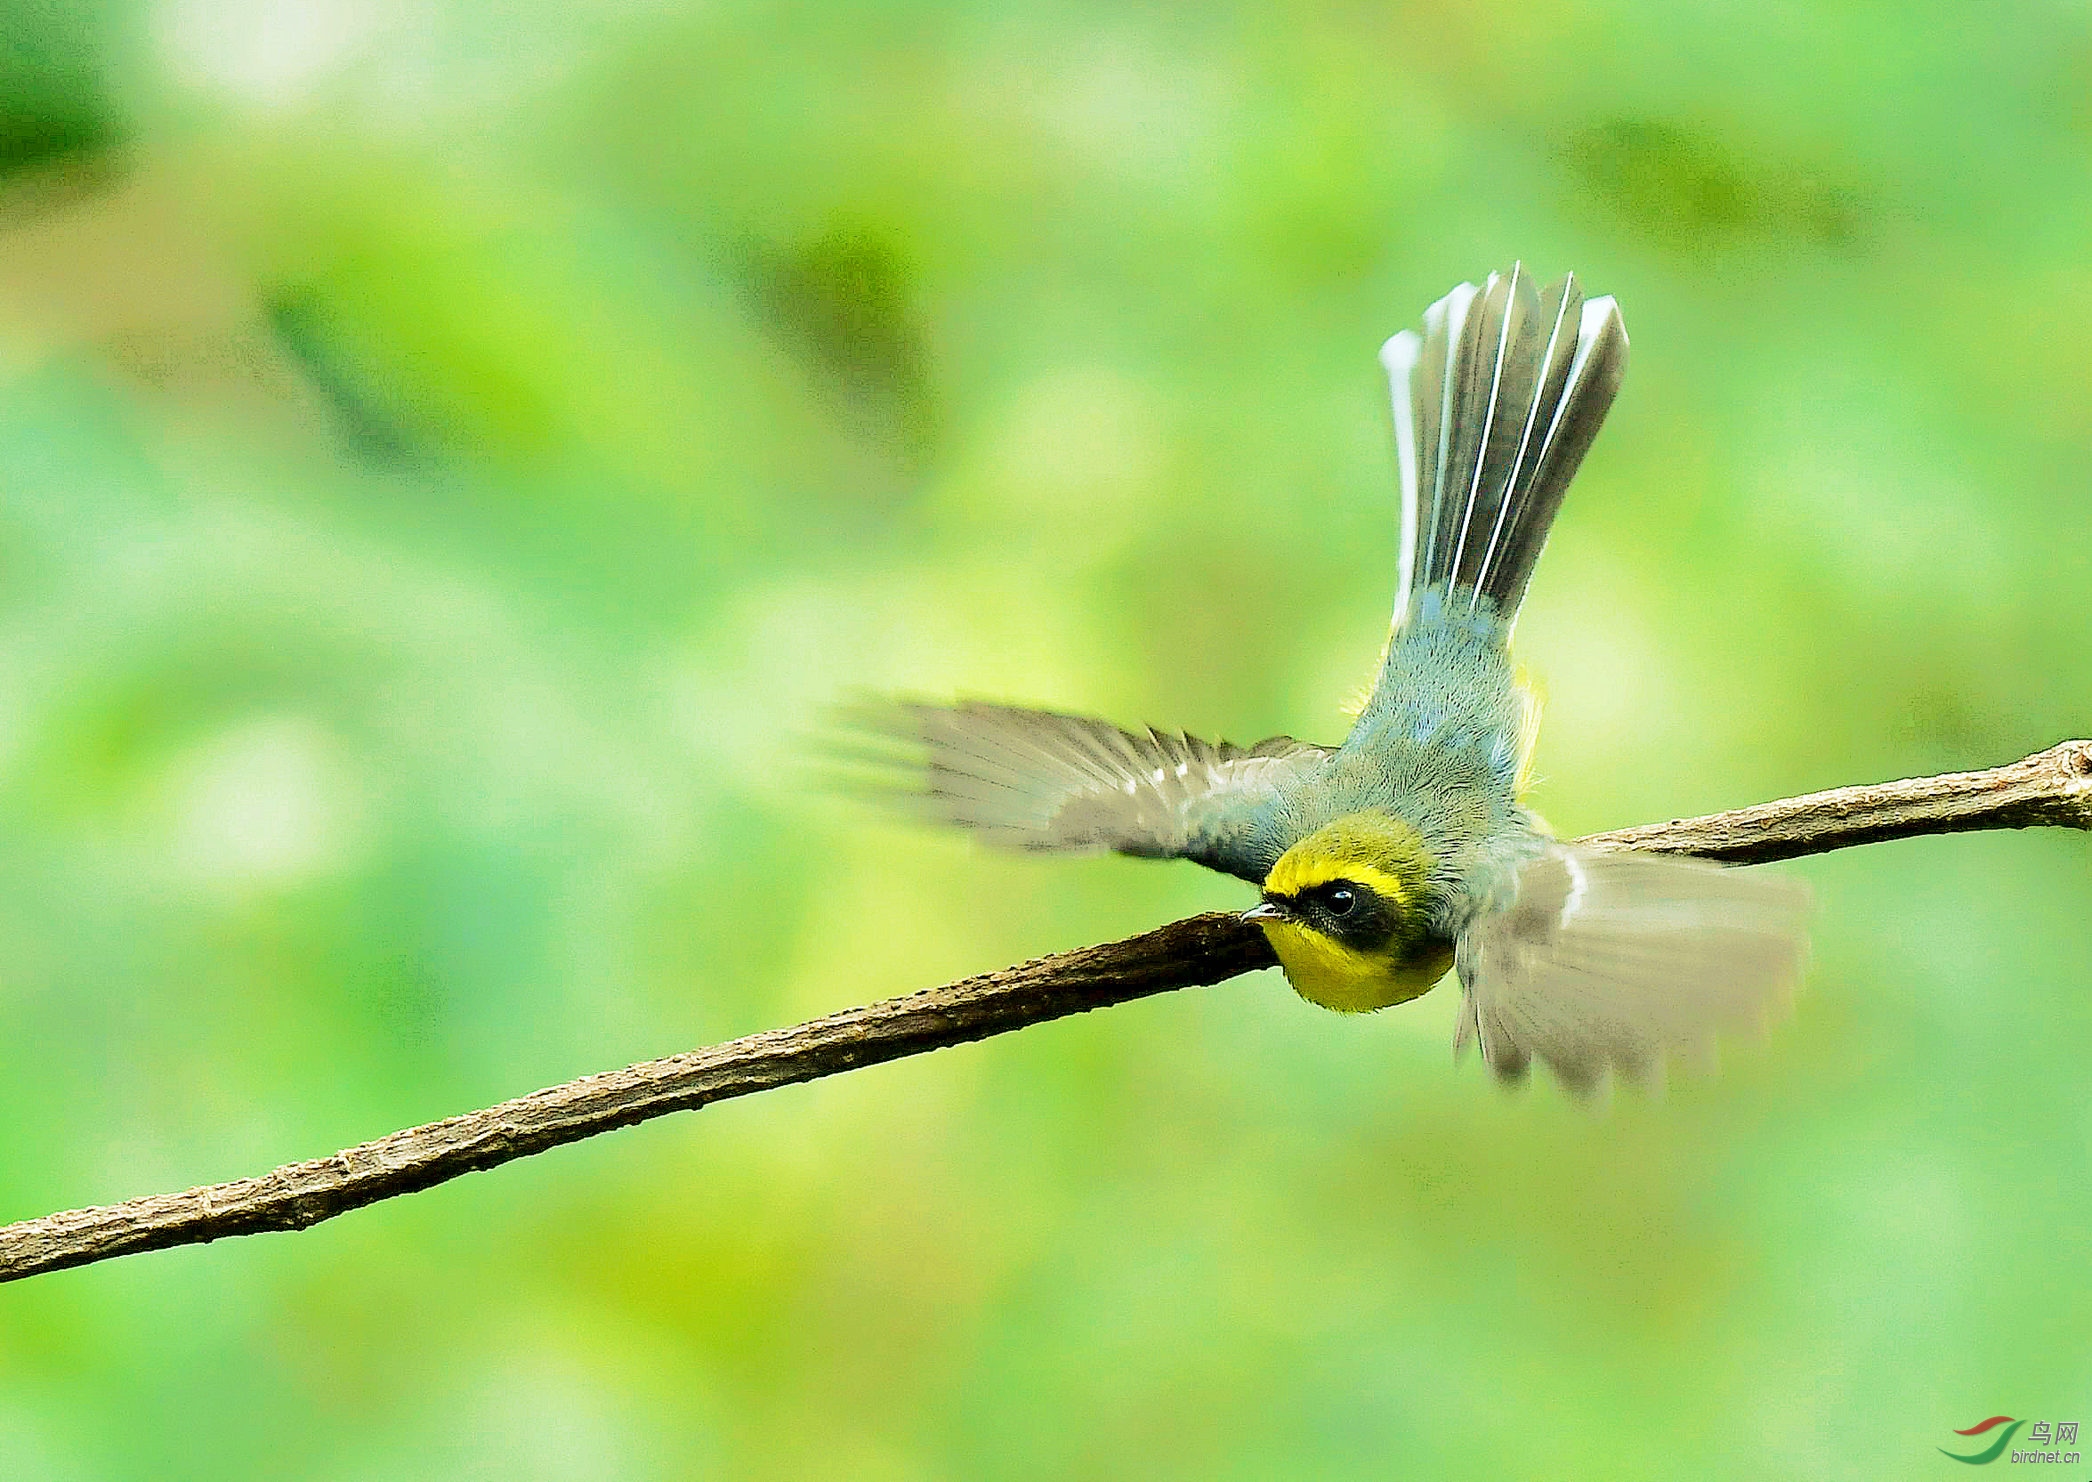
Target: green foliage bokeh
x=449 y=454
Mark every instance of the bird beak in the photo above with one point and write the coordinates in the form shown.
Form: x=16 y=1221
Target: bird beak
x=1267 y=911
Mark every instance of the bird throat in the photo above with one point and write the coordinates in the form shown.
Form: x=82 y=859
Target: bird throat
x=1324 y=971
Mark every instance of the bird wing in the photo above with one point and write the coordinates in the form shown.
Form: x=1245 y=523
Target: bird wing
x=1037 y=780
x=1614 y=961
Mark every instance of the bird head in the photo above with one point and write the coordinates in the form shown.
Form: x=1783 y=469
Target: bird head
x=1346 y=910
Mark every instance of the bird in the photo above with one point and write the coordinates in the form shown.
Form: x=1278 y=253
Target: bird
x=1407 y=850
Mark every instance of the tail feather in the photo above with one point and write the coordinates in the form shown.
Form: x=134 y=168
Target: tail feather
x=1496 y=401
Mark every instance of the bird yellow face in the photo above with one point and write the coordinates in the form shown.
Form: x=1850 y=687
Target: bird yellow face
x=1343 y=909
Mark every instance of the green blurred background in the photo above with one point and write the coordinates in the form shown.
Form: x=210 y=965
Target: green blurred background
x=449 y=452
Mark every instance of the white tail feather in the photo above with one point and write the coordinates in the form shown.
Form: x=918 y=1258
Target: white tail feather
x=1494 y=409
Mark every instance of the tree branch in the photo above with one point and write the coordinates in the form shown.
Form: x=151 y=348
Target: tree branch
x=2053 y=787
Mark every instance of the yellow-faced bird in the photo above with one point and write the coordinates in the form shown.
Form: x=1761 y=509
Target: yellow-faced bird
x=1406 y=850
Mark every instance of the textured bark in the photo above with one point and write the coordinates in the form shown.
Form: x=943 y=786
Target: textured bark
x=2051 y=788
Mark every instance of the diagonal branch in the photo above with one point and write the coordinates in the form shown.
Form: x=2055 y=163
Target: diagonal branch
x=2050 y=787
x=2053 y=787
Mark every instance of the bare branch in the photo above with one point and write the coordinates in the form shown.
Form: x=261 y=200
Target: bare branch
x=2053 y=787
x=2050 y=787
x=1185 y=954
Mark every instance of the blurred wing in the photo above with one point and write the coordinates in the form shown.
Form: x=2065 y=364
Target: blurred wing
x=1032 y=779
x=1613 y=962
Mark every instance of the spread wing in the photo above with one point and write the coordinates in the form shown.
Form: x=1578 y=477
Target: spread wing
x=1036 y=780
x=1613 y=962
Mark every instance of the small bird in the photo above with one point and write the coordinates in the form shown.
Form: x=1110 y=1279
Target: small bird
x=1406 y=850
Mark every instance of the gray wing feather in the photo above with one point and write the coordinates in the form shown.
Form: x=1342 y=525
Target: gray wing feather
x=1037 y=780
x=1611 y=963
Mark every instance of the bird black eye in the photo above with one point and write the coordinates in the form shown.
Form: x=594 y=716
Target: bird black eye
x=1341 y=900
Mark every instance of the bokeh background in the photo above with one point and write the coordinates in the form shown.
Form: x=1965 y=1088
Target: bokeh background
x=450 y=452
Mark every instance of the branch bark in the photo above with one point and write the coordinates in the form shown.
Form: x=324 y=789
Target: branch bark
x=2053 y=787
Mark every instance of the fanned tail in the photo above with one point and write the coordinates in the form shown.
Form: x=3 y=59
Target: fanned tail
x=1496 y=401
